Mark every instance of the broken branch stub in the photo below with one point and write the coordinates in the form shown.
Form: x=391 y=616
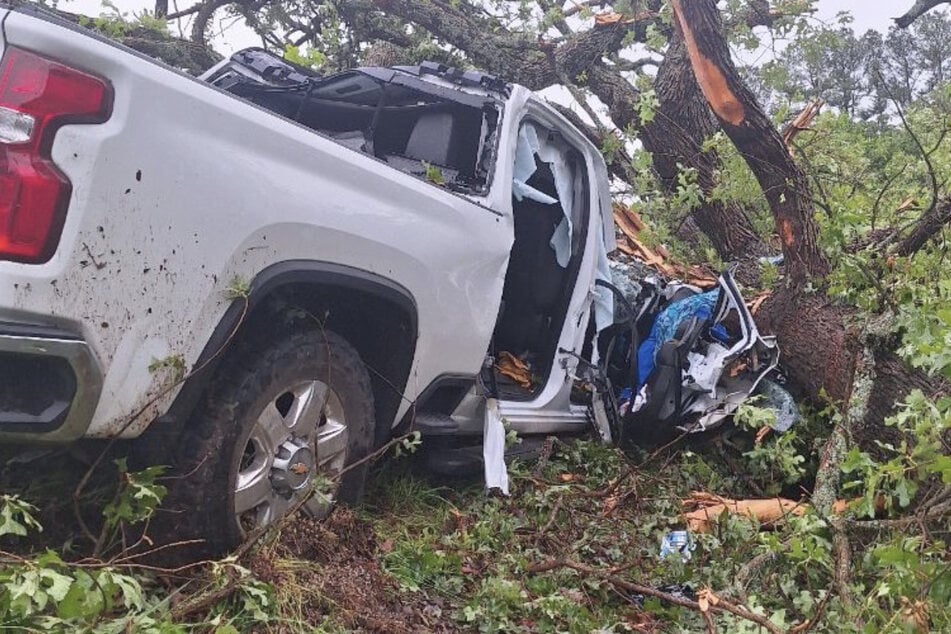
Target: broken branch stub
x=802 y=122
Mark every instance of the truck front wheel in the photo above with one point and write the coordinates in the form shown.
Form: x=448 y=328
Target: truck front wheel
x=280 y=419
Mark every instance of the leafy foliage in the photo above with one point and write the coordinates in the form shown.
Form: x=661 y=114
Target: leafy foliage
x=44 y=592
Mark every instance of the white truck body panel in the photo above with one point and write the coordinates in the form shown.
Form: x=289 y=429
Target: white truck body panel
x=158 y=227
x=186 y=188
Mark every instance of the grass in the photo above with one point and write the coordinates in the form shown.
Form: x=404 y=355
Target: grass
x=420 y=555
x=426 y=555
x=464 y=555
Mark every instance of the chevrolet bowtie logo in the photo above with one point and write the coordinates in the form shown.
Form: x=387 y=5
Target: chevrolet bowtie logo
x=299 y=468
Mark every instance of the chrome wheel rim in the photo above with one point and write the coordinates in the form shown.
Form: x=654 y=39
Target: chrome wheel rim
x=301 y=436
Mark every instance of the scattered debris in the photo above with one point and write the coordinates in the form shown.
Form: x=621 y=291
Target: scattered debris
x=679 y=590
x=908 y=203
x=630 y=243
x=774 y=260
x=699 y=357
x=515 y=369
x=677 y=543
x=778 y=399
x=493 y=449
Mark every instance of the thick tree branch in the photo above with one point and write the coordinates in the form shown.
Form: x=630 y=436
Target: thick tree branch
x=195 y=8
x=633 y=66
x=927 y=228
x=205 y=12
x=184 y=54
x=530 y=62
x=919 y=9
x=783 y=183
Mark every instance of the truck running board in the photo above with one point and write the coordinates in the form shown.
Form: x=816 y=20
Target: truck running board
x=467 y=460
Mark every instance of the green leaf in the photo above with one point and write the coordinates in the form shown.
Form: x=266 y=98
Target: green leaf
x=434 y=175
x=16 y=516
x=55 y=583
x=84 y=599
x=942 y=465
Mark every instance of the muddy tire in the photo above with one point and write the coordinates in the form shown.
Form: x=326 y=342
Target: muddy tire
x=278 y=417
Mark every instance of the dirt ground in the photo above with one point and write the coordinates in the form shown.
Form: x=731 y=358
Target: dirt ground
x=331 y=568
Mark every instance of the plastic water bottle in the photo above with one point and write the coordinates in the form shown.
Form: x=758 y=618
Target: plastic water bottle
x=676 y=542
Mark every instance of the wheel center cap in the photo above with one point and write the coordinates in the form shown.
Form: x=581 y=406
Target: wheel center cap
x=292 y=467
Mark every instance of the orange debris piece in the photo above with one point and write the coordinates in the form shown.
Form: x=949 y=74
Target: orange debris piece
x=659 y=259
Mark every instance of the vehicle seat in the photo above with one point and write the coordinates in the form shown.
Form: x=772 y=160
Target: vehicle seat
x=434 y=139
x=665 y=402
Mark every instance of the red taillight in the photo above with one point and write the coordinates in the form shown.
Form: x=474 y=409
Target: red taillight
x=37 y=96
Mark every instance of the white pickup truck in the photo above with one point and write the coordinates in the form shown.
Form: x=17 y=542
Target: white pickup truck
x=263 y=274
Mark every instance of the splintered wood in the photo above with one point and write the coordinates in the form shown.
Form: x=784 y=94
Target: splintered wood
x=659 y=259
x=802 y=122
x=756 y=302
x=702 y=509
x=609 y=18
x=707 y=508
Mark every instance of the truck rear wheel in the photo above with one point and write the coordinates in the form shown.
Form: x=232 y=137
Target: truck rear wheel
x=279 y=418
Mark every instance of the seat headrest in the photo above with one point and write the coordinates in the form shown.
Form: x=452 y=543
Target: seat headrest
x=433 y=139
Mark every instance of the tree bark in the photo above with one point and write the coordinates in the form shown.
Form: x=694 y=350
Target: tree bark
x=676 y=137
x=531 y=62
x=927 y=229
x=783 y=183
x=821 y=340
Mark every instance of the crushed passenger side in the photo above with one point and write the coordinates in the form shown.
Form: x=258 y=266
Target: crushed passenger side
x=683 y=360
